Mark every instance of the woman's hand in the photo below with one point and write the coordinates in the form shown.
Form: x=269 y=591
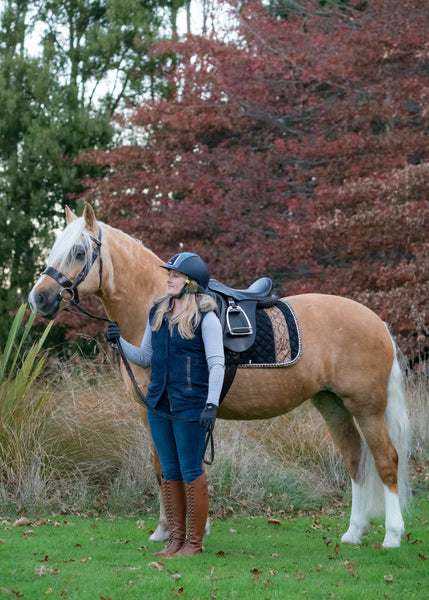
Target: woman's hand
x=113 y=332
x=208 y=417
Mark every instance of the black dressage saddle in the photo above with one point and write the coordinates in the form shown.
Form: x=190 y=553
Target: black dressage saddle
x=237 y=310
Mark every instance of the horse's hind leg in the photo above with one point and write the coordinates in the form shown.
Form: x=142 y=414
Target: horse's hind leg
x=385 y=460
x=346 y=436
x=383 y=472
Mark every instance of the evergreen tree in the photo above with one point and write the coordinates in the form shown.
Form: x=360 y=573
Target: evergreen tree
x=57 y=103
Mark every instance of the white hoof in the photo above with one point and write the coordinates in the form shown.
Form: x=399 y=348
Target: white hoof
x=161 y=532
x=393 y=538
x=159 y=535
x=351 y=536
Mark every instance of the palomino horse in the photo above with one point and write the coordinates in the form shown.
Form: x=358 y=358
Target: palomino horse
x=348 y=366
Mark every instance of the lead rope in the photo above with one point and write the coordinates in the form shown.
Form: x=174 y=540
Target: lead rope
x=209 y=436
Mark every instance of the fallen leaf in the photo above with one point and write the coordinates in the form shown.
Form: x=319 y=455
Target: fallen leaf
x=422 y=556
x=410 y=541
x=255 y=573
x=273 y=522
x=17 y=594
x=22 y=522
x=44 y=571
x=157 y=565
x=27 y=533
x=388 y=578
x=326 y=540
x=178 y=592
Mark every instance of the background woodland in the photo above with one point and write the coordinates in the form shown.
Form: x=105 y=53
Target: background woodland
x=284 y=140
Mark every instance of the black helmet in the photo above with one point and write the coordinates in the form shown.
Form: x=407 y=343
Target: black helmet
x=191 y=265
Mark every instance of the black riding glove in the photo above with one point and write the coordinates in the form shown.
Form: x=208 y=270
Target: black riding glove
x=113 y=332
x=208 y=417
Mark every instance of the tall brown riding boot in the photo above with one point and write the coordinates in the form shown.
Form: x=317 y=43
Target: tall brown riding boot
x=197 y=508
x=174 y=497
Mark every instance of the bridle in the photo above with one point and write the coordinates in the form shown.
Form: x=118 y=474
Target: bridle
x=70 y=287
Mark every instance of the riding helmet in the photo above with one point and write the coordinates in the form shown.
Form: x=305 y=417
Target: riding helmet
x=191 y=265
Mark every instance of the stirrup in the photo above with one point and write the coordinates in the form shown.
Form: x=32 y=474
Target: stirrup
x=246 y=328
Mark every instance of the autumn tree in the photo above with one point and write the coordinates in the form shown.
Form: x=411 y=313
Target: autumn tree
x=293 y=147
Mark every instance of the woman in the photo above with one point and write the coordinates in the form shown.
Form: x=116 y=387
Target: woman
x=183 y=346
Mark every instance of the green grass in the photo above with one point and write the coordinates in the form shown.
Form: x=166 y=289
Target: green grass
x=245 y=558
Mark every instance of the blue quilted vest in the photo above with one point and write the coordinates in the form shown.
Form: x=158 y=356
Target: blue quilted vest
x=180 y=368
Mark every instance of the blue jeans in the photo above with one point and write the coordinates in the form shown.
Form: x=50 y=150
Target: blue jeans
x=180 y=446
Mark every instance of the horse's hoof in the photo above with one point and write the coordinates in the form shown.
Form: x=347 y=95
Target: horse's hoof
x=392 y=539
x=351 y=537
x=159 y=535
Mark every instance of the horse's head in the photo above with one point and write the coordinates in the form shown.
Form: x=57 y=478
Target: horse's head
x=74 y=266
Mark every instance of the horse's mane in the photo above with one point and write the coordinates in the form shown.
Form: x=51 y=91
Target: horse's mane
x=75 y=233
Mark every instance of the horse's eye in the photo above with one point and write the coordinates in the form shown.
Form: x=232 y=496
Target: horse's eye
x=78 y=253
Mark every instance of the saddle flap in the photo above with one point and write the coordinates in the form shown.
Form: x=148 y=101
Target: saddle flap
x=237 y=311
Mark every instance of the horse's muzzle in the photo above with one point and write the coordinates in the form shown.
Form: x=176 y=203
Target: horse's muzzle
x=44 y=303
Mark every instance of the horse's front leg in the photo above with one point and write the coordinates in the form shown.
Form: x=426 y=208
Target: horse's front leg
x=161 y=532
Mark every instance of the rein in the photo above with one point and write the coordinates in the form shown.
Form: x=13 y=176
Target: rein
x=71 y=288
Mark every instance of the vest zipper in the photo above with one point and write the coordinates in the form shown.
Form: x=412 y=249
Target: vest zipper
x=188 y=373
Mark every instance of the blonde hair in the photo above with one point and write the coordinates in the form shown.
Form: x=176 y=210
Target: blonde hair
x=189 y=318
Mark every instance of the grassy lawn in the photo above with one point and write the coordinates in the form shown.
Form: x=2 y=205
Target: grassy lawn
x=100 y=558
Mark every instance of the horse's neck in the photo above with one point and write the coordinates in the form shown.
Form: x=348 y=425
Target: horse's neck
x=132 y=280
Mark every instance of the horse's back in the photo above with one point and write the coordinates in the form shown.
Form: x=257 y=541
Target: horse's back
x=329 y=319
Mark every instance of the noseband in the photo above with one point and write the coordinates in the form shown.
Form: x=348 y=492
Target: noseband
x=70 y=287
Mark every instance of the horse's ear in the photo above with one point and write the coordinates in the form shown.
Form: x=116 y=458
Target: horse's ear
x=90 y=219
x=70 y=216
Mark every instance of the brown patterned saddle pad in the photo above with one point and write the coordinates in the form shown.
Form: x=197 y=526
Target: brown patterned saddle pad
x=277 y=342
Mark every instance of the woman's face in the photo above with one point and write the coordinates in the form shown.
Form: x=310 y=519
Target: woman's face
x=175 y=282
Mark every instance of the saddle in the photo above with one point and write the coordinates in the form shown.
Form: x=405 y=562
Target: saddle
x=237 y=310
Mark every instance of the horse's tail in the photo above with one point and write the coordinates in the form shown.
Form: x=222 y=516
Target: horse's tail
x=398 y=426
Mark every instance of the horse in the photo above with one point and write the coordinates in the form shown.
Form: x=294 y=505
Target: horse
x=348 y=367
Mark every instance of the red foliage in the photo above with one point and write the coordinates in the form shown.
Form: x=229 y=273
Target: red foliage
x=297 y=150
